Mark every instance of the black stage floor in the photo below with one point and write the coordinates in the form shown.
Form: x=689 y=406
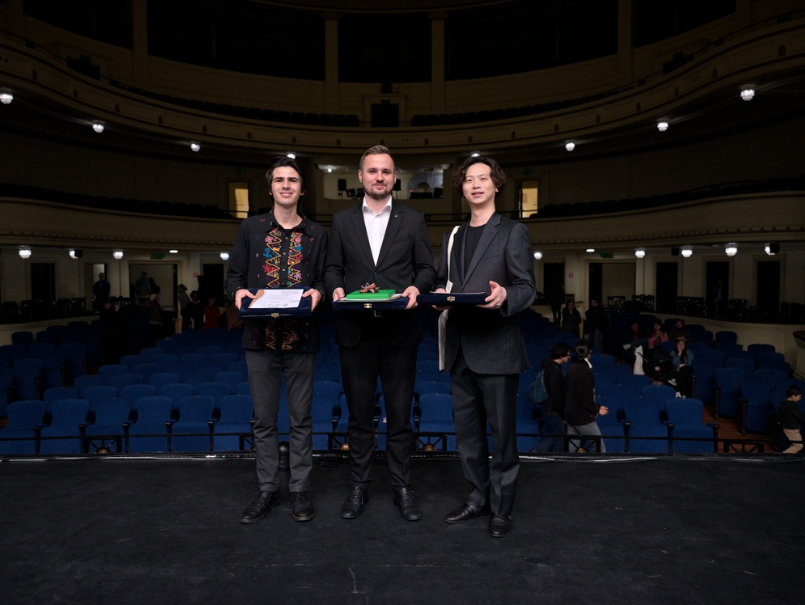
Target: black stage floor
x=683 y=530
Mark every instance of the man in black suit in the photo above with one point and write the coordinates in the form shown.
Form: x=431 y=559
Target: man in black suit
x=484 y=348
x=383 y=243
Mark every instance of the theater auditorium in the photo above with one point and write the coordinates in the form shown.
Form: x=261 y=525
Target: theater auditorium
x=651 y=149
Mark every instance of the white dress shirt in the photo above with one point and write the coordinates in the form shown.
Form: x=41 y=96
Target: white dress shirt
x=376 y=223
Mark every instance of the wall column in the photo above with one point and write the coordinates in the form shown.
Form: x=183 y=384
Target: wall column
x=625 y=27
x=332 y=101
x=437 y=46
x=139 y=44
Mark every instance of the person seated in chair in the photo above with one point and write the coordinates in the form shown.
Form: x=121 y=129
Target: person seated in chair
x=680 y=332
x=683 y=366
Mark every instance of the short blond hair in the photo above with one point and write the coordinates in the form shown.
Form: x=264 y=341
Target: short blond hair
x=376 y=150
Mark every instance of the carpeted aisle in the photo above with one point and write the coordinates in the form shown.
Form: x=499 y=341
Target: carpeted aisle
x=695 y=530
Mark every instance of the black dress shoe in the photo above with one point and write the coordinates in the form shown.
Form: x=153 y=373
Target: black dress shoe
x=465 y=512
x=353 y=505
x=404 y=499
x=258 y=508
x=302 y=506
x=500 y=525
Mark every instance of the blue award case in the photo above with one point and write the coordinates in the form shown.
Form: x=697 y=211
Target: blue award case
x=303 y=310
x=450 y=299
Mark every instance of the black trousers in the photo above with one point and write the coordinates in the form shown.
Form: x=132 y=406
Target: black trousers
x=265 y=374
x=361 y=365
x=478 y=399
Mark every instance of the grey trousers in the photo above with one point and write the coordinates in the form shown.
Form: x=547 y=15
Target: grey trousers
x=585 y=429
x=265 y=375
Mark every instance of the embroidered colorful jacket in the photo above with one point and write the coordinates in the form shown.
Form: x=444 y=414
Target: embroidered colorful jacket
x=267 y=256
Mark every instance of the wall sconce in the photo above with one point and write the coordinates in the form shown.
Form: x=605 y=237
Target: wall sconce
x=117 y=254
x=224 y=255
x=687 y=251
x=772 y=248
x=6 y=96
x=76 y=253
x=662 y=126
x=570 y=145
x=537 y=255
x=640 y=252
x=748 y=92
x=195 y=147
x=731 y=249
x=24 y=252
x=98 y=127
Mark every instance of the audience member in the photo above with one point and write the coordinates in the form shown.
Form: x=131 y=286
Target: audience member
x=657 y=335
x=100 y=292
x=791 y=418
x=184 y=306
x=554 y=407
x=142 y=289
x=681 y=332
x=596 y=324
x=556 y=298
x=571 y=319
x=212 y=314
x=196 y=311
x=683 y=366
x=581 y=410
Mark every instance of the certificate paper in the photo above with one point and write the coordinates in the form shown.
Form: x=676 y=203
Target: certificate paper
x=276 y=298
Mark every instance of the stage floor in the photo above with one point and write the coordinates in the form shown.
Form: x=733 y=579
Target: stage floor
x=683 y=530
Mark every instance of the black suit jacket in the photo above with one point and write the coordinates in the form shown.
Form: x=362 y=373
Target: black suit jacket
x=491 y=340
x=405 y=259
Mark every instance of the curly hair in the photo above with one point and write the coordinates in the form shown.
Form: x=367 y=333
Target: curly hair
x=495 y=172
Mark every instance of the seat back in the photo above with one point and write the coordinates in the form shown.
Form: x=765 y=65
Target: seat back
x=154 y=410
x=69 y=413
x=24 y=415
x=195 y=409
x=436 y=407
x=134 y=392
x=235 y=409
x=216 y=390
x=685 y=412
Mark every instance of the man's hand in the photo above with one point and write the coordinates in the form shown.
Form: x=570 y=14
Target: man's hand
x=603 y=410
x=315 y=295
x=496 y=297
x=440 y=291
x=240 y=295
x=411 y=292
x=338 y=294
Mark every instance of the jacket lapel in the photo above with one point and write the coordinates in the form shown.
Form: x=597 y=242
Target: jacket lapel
x=395 y=219
x=363 y=237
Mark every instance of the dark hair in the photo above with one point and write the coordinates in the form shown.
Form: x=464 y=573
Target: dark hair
x=559 y=350
x=376 y=150
x=495 y=172
x=284 y=161
x=581 y=350
x=793 y=390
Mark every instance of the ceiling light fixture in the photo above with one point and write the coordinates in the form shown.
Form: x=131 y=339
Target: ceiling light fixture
x=173 y=251
x=118 y=254
x=662 y=126
x=291 y=155
x=731 y=249
x=748 y=92
x=772 y=248
x=24 y=252
x=591 y=250
x=5 y=96
x=98 y=127
x=76 y=253
x=224 y=255
x=687 y=251
x=640 y=252
x=537 y=255
x=195 y=147
x=570 y=145
x=475 y=154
